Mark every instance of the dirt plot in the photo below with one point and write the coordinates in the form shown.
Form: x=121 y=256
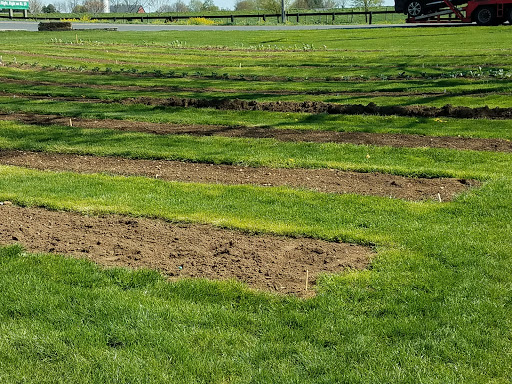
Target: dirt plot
x=322 y=180
x=272 y=263
x=358 y=138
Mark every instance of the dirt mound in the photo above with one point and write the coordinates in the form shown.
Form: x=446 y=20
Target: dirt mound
x=359 y=138
x=317 y=107
x=272 y=263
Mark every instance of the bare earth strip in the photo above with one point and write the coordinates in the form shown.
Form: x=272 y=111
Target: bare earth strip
x=358 y=138
x=272 y=263
x=322 y=180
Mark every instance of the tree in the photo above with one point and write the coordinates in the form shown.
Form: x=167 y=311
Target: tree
x=300 y=4
x=94 y=6
x=273 y=6
x=79 y=8
x=50 y=8
x=367 y=4
x=338 y=4
x=34 y=6
x=179 y=6
x=72 y=4
x=209 y=5
x=195 y=5
x=166 y=8
x=245 y=5
x=62 y=7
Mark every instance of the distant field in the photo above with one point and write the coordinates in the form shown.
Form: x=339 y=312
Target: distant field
x=267 y=207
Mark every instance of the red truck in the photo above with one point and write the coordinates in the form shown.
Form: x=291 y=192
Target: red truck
x=483 y=12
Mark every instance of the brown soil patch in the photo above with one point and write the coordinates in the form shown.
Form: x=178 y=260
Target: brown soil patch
x=358 y=138
x=271 y=263
x=322 y=180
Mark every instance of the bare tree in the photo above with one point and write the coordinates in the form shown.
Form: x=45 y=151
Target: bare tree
x=367 y=4
x=62 y=7
x=94 y=6
x=195 y=5
x=179 y=7
x=341 y=4
x=35 y=6
x=72 y=4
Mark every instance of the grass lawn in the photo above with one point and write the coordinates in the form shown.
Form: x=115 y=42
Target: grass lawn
x=434 y=307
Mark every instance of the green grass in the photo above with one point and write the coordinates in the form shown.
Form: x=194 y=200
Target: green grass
x=424 y=162
x=371 y=53
x=490 y=99
x=478 y=128
x=433 y=308
x=436 y=312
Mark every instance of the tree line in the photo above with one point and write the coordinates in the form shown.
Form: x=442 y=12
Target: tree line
x=180 y=6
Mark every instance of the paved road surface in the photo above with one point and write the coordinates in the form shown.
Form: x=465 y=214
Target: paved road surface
x=32 y=26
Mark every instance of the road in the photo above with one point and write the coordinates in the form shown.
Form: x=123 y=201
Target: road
x=32 y=26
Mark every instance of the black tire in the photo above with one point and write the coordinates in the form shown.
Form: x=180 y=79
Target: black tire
x=485 y=16
x=415 y=8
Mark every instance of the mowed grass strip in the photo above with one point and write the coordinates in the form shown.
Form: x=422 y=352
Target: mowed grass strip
x=104 y=92
x=478 y=128
x=448 y=87
x=437 y=304
x=421 y=162
x=359 y=53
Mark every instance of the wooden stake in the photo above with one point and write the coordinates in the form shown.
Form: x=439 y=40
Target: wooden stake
x=439 y=197
x=70 y=122
x=307 y=278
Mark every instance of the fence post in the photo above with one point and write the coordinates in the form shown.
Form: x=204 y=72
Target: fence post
x=11 y=13
x=297 y=17
x=371 y=16
x=264 y=18
x=232 y=19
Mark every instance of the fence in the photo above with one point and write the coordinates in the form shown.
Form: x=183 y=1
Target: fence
x=231 y=18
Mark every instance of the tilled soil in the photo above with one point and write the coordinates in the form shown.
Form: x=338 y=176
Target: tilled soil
x=266 y=262
x=358 y=138
x=322 y=180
